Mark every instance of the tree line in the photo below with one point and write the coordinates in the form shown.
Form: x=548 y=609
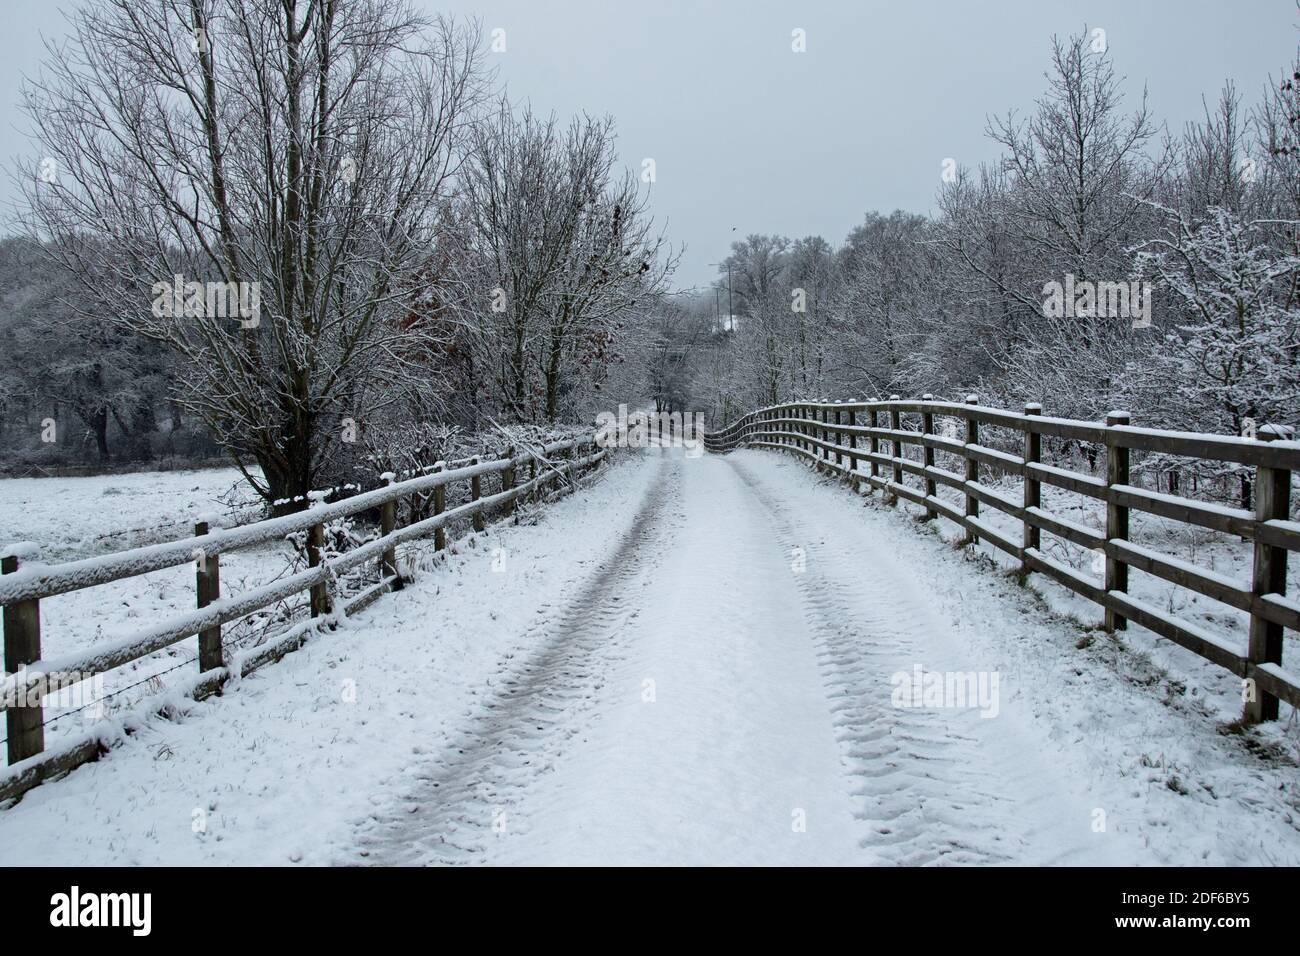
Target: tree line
x=418 y=248
x=1090 y=197
x=312 y=234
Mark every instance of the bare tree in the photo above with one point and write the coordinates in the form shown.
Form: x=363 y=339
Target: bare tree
x=883 y=302
x=302 y=147
x=672 y=341
x=758 y=267
x=564 y=250
x=1070 y=198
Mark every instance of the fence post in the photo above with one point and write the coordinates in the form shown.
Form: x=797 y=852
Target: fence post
x=387 y=523
x=1272 y=502
x=874 y=446
x=439 y=506
x=972 y=467
x=831 y=438
x=1116 y=518
x=1032 y=537
x=839 y=438
x=508 y=482
x=896 y=423
x=475 y=493
x=853 y=447
x=207 y=583
x=822 y=453
x=810 y=432
x=22 y=627
x=927 y=427
x=320 y=598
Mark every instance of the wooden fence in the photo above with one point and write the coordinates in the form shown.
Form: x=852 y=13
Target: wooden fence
x=844 y=437
x=28 y=677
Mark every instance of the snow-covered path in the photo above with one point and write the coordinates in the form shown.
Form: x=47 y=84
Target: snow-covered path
x=675 y=712
x=691 y=662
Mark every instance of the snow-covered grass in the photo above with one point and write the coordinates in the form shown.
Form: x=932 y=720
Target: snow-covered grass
x=72 y=518
x=66 y=519
x=75 y=517
x=69 y=518
x=1225 y=554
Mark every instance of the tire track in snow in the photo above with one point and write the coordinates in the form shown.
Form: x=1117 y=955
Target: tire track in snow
x=540 y=705
x=930 y=792
x=733 y=760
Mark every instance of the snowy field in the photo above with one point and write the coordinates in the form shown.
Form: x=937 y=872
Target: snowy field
x=69 y=518
x=76 y=517
x=689 y=661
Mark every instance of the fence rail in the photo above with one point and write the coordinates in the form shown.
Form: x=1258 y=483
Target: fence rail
x=28 y=677
x=831 y=435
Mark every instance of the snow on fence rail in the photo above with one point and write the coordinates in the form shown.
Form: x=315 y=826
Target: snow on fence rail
x=817 y=431
x=25 y=582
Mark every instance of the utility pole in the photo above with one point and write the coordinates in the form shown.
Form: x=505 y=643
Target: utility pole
x=731 y=314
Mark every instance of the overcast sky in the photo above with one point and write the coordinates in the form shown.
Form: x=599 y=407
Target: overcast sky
x=748 y=135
